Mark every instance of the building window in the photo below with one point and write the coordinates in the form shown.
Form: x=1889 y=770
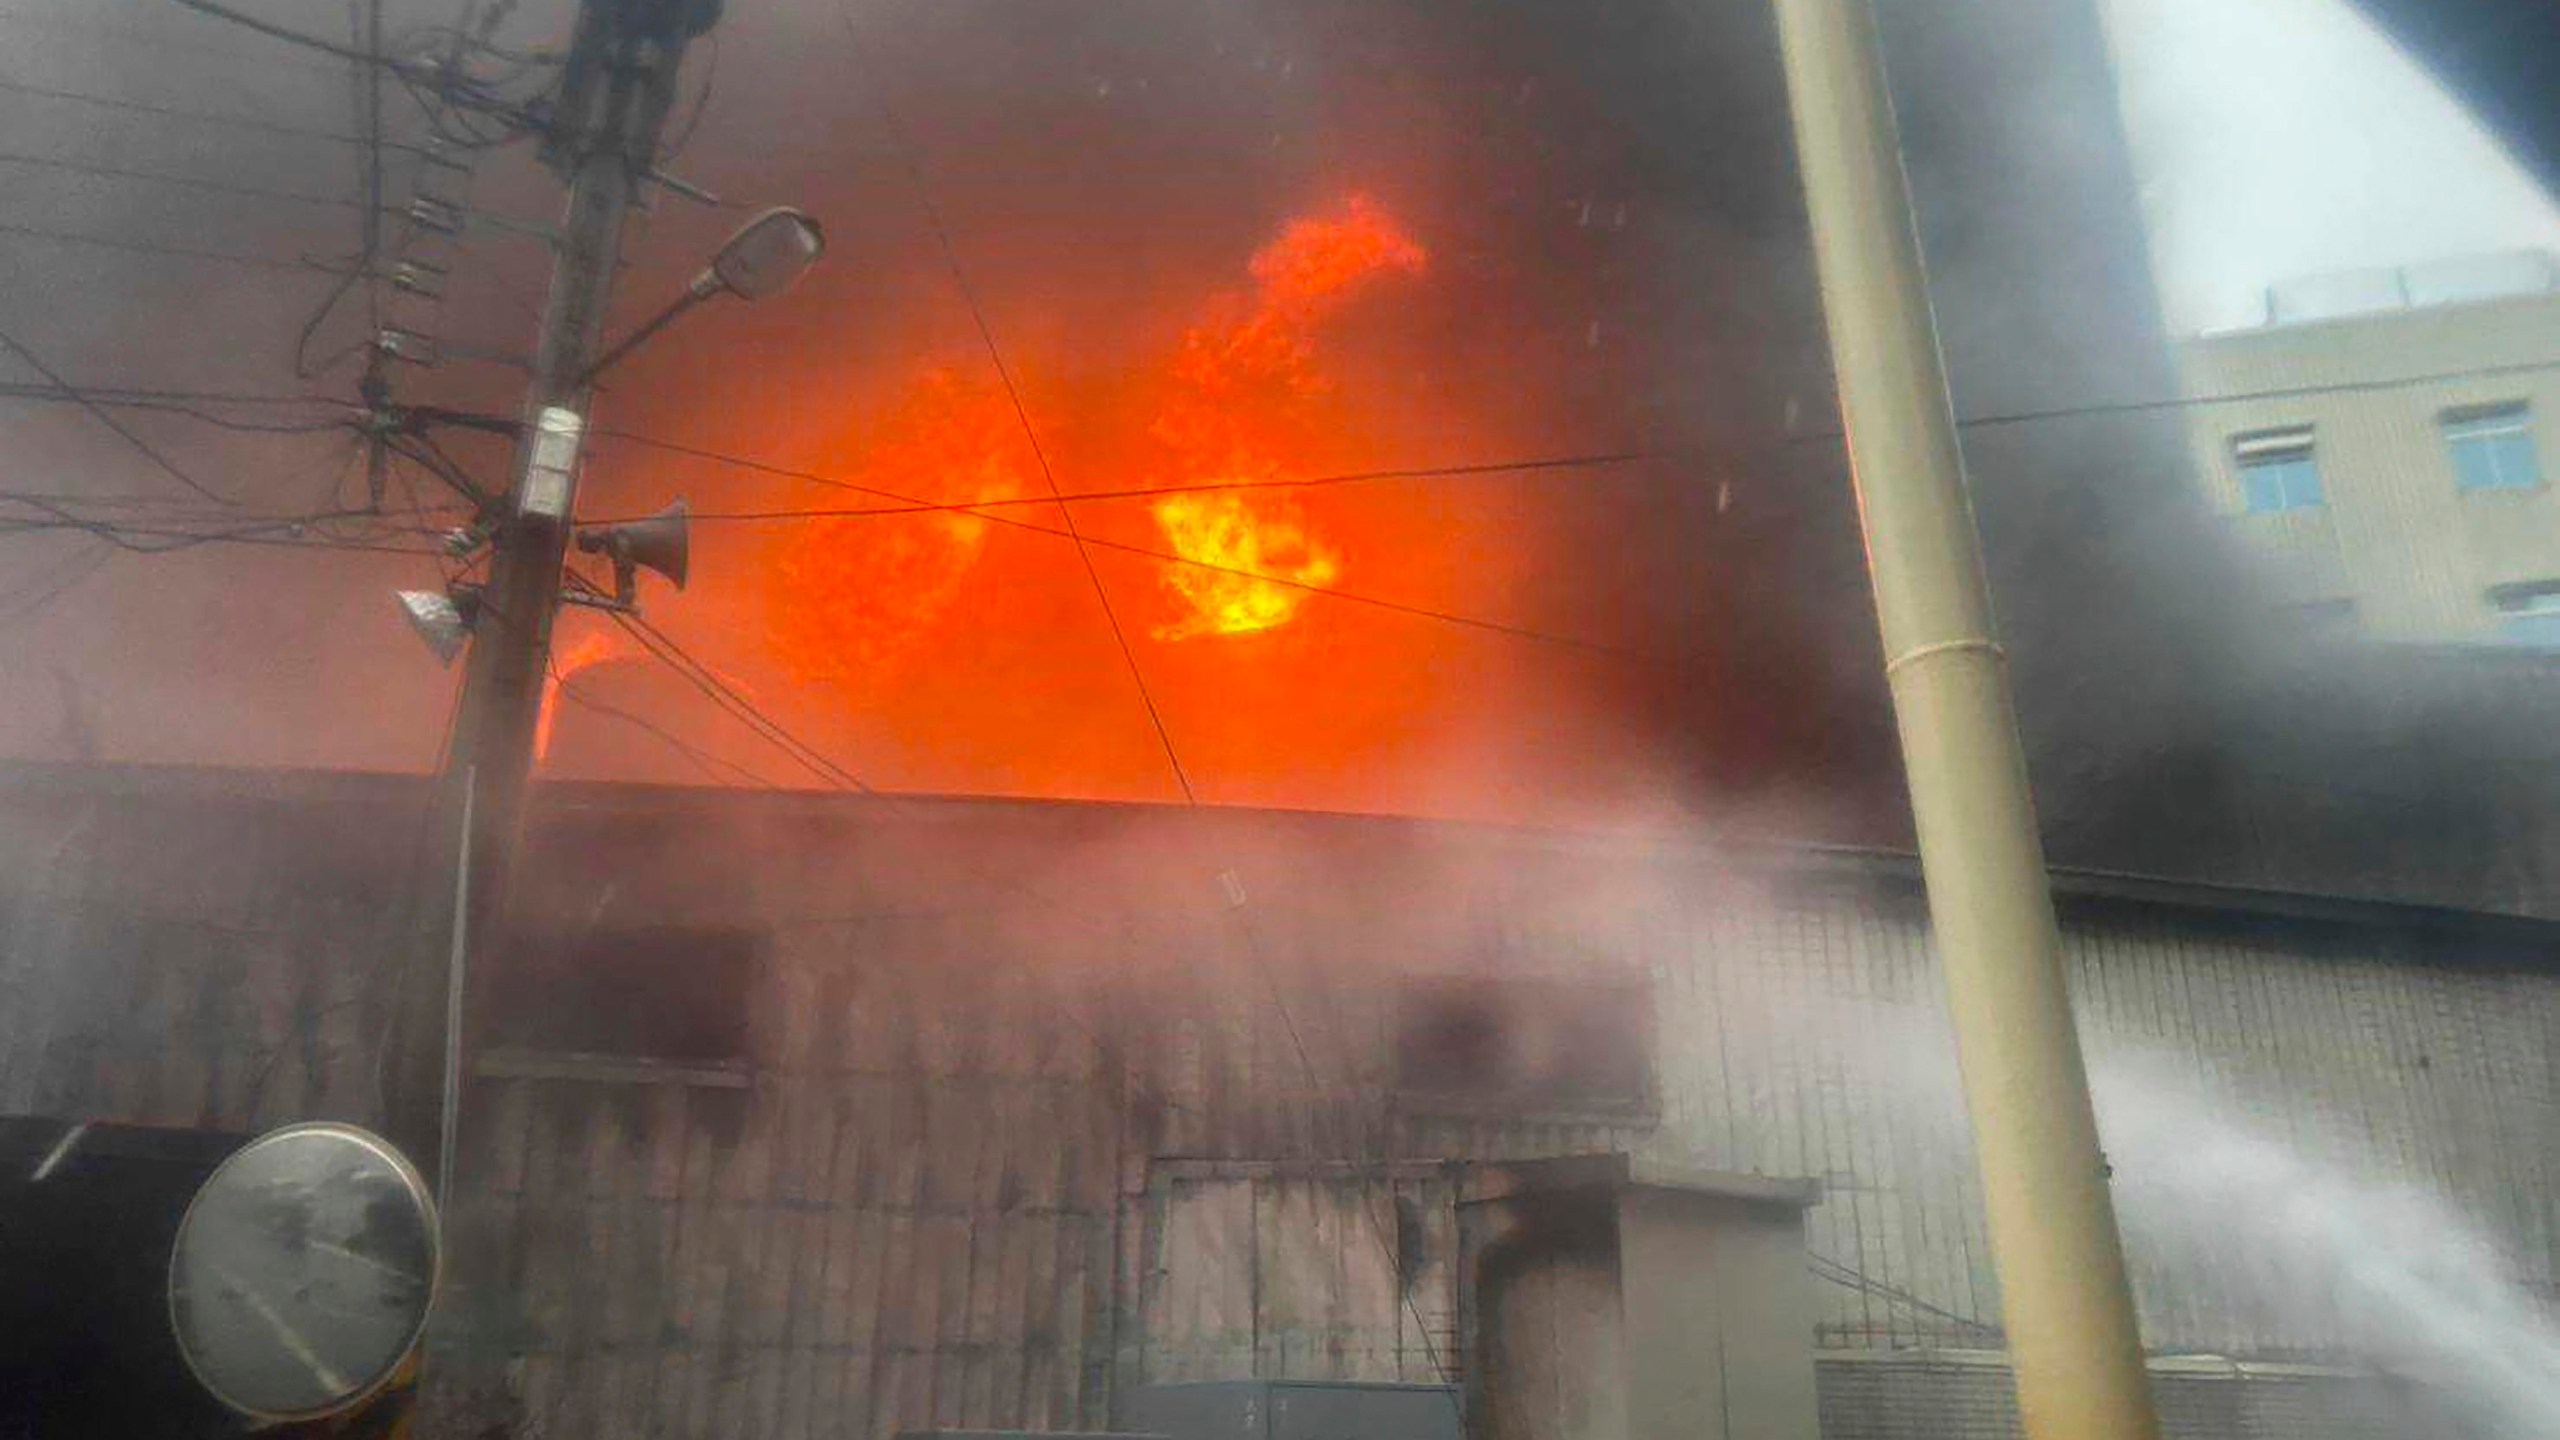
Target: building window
x=2277 y=470
x=2492 y=447
x=668 y=993
x=1521 y=1046
x=2529 y=614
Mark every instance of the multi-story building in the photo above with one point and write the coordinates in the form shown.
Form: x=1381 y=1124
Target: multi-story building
x=2383 y=443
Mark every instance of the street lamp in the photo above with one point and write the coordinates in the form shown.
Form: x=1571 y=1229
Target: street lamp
x=765 y=257
x=443 y=619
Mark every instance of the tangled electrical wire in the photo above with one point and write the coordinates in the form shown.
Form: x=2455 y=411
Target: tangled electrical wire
x=360 y=529
x=155 y=524
x=469 y=88
x=472 y=94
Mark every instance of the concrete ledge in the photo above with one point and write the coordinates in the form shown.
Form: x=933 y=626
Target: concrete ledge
x=608 y=1069
x=1633 y=1172
x=2202 y=1366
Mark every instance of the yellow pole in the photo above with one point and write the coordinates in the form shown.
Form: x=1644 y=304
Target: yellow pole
x=2067 y=1307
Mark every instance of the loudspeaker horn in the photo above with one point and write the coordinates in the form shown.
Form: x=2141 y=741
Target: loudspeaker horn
x=658 y=543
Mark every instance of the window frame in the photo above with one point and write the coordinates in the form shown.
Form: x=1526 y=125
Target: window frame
x=625 y=1001
x=2527 y=601
x=2286 y=456
x=1622 y=1003
x=2487 y=430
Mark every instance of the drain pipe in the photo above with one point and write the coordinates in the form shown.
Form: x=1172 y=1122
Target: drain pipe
x=2067 y=1307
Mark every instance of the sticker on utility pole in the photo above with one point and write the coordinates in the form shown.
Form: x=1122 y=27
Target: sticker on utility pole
x=554 y=460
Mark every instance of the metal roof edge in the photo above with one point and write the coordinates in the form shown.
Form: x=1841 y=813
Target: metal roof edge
x=2216 y=1367
x=1768 y=855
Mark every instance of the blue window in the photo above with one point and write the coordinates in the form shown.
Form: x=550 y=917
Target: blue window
x=2277 y=470
x=2529 y=615
x=2492 y=448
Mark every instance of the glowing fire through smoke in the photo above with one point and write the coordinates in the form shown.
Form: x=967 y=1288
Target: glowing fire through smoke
x=1232 y=534
x=1239 y=400
x=593 y=648
x=857 y=595
x=1240 y=378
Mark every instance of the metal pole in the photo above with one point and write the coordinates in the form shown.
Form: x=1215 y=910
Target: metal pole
x=614 y=102
x=457 y=963
x=2068 y=1308
x=693 y=295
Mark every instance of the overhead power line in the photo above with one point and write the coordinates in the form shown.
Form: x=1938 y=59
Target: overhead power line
x=451 y=87
x=291 y=36
x=104 y=417
x=2282 y=392
x=2170 y=403
x=161 y=538
x=910 y=504
x=198 y=117
x=180 y=403
x=29 y=600
x=190 y=182
x=365 y=17
x=136 y=540
x=905 y=146
x=1422 y=612
x=709 y=764
x=147 y=397
x=368 y=201
x=144 y=247
x=902 y=504
x=1599 y=460
x=122 y=35
x=163 y=508
x=708 y=681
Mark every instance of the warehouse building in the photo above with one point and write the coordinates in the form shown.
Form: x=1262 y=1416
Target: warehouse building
x=880 y=1114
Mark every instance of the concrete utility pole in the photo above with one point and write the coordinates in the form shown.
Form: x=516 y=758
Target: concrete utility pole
x=2067 y=1306
x=613 y=104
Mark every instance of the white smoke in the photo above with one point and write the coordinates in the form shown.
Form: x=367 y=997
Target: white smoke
x=2391 y=1273
x=2253 y=1245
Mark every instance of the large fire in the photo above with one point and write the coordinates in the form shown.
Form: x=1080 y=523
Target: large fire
x=1234 y=403
x=1242 y=540
x=1251 y=364
x=958 y=644
x=854 y=596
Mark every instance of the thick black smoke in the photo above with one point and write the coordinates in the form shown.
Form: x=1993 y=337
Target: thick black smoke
x=1620 y=262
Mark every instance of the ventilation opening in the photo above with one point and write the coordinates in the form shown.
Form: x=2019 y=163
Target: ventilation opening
x=656 y=992
x=1526 y=1046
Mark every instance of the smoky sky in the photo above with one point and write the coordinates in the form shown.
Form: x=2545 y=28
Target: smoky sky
x=2282 y=141
x=1619 y=264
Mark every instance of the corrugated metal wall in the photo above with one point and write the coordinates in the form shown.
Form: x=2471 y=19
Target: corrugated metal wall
x=999 y=1145
x=907 y=1217
x=1921 y=1397
x=1813 y=1040
x=1288 y=1272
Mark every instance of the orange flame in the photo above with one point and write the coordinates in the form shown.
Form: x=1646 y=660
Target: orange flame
x=856 y=606
x=1320 y=258
x=1238 y=380
x=1226 y=532
x=593 y=648
x=857 y=595
x=1247 y=366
